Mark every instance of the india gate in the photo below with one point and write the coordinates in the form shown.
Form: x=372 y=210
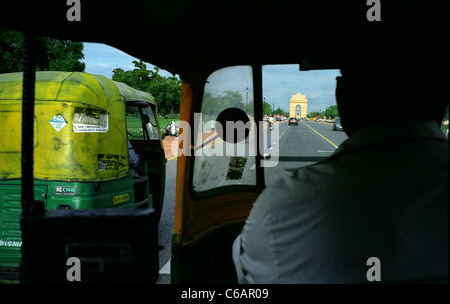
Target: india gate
x=298 y=106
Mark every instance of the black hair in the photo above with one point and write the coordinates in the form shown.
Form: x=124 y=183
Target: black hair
x=375 y=88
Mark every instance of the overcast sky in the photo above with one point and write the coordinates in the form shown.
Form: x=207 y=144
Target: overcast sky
x=280 y=82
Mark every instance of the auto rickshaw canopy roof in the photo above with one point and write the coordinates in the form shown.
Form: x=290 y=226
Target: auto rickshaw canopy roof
x=177 y=35
x=98 y=85
x=80 y=126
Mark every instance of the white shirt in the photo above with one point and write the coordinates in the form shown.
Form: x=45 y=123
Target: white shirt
x=383 y=193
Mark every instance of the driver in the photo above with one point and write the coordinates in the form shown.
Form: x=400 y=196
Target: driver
x=383 y=193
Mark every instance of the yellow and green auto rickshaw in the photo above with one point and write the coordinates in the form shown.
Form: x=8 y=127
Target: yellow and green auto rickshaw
x=81 y=149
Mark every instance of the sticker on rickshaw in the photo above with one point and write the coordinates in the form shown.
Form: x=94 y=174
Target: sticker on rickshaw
x=58 y=122
x=121 y=198
x=236 y=167
x=60 y=190
x=10 y=243
x=90 y=123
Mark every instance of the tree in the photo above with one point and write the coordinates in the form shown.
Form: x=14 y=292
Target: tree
x=279 y=111
x=11 y=51
x=172 y=94
x=214 y=105
x=165 y=90
x=63 y=55
x=51 y=54
x=330 y=112
x=267 y=108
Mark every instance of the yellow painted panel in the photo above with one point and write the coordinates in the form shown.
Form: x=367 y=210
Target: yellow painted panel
x=62 y=152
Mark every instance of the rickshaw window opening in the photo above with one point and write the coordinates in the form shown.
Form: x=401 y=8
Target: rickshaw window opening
x=218 y=163
x=137 y=103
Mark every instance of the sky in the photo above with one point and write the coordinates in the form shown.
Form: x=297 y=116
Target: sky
x=103 y=59
x=280 y=82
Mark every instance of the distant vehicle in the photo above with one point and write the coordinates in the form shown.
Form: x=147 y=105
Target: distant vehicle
x=170 y=130
x=337 y=125
x=293 y=121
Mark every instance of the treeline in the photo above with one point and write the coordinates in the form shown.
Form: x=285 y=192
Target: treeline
x=165 y=90
x=51 y=54
x=213 y=105
x=329 y=112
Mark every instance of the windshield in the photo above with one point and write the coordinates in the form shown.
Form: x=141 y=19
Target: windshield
x=295 y=129
x=308 y=96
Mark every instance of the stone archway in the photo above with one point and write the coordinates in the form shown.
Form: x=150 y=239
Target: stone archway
x=298 y=106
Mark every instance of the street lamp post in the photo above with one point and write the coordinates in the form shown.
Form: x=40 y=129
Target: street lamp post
x=264 y=105
x=246 y=102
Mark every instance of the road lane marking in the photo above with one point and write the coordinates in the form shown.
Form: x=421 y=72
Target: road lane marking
x=333 y=144
x=165 y=269
x=171 y=158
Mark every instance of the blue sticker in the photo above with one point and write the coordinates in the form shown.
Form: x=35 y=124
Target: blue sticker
x=58 y=122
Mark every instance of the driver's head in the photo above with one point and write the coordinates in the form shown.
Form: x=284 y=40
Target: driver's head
x=375 y=88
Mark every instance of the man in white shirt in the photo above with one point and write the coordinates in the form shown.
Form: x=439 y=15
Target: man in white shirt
x=271 y=122
x=382 y=194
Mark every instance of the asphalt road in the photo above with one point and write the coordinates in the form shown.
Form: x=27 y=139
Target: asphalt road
x=298 y=146
x=294 y=146
x=166 y=223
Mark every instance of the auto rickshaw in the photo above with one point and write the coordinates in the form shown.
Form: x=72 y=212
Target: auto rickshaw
x=81 y=149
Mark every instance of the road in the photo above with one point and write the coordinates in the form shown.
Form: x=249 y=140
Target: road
x=293 y=145
x=301 y=145
x=166 y=223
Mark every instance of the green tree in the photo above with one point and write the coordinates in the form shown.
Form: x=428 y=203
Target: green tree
x=51 y=54
x=280 y=111
x=172 y=94
x=11 y=51
x=165 y=90
x=62 y=55
x=267 y=108
x=251 y=108
x=214 y=105
x=330 y=112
